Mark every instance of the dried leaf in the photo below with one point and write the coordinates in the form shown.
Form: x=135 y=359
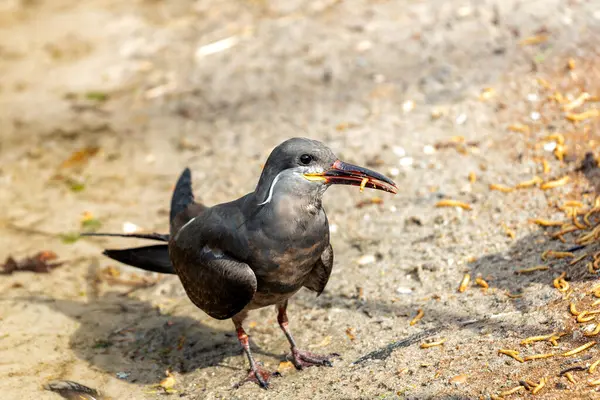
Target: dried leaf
x=38 y=263
x=80 y=157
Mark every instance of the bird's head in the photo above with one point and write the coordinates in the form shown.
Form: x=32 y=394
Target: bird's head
x=308 y=167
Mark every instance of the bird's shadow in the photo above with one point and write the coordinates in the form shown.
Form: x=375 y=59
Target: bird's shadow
x=139 y=343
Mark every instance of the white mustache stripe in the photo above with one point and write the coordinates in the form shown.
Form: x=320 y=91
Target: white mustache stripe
x=270 y=197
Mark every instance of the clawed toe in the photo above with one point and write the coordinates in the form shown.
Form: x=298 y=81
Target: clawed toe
x=259 y=376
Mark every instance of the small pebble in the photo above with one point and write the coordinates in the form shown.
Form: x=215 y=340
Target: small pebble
x=458 y=379
x=399 y=151
x=394 y=171
x=532 y=97
x=363 y=45
x=428 y=149
x=408 y=106
x=129 y=227
x=464 y=11
x=379 y=78
x=122 y=375
x=333 y=228
x=366 y=259
x=550 y=146
x=535 y=115
x=461 y=119
x=406 y=161
x=404 y=290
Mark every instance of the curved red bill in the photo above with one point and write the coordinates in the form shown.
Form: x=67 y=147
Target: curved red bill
x=342 y=173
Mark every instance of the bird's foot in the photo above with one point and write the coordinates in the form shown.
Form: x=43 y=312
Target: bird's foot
x=302 y=359
x=259 y=376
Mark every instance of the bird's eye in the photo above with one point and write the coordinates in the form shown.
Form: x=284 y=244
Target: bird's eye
x=306 y=159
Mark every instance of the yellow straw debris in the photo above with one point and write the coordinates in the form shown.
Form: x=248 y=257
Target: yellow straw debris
x=545 y=166
x=512 y=391
x=509 y=232
x=545 y=222
x=555 y=183
x=453 y=203
x=556 y=254
x=583 y=317
x=472 y=177
x=532 y=269
x=539 y=386
x=486 y=94
x=519 y=128
x=363 y=183
x=582 y=98
x=575 y=261
x=573 y=310
x=537 y=39
x=557 y=137
x=580 y=349
x=536 y=180
x=538 y=356
x=560 y=283
x=557 y=97
x=464 y=283
x=511 y=353
x=501 y=188
x=418 y=317
x=592 y=113
x=543 y=83
x=536 y=339
x=592 y=368
x=482 y=283
x=594 y=382
x=573 y=203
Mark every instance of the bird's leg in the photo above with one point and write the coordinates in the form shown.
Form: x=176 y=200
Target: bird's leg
x=300 y=358
x=257 y=374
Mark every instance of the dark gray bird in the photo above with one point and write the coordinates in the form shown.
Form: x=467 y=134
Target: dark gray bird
x=260 y=249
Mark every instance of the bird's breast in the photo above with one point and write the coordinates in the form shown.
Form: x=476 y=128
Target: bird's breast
x=284 y=269
x=285 y=246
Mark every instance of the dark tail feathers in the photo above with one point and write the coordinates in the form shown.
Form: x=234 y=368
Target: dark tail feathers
x=150 y=258
x=182 y=195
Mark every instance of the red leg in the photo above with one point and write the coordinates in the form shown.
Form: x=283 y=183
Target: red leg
x=256 y=374
x=300 y=358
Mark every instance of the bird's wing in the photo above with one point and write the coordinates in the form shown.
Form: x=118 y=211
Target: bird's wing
x=204 y=256
x=319 y=276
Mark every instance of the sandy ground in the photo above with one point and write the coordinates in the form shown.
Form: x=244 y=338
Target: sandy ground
x=381 y=82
